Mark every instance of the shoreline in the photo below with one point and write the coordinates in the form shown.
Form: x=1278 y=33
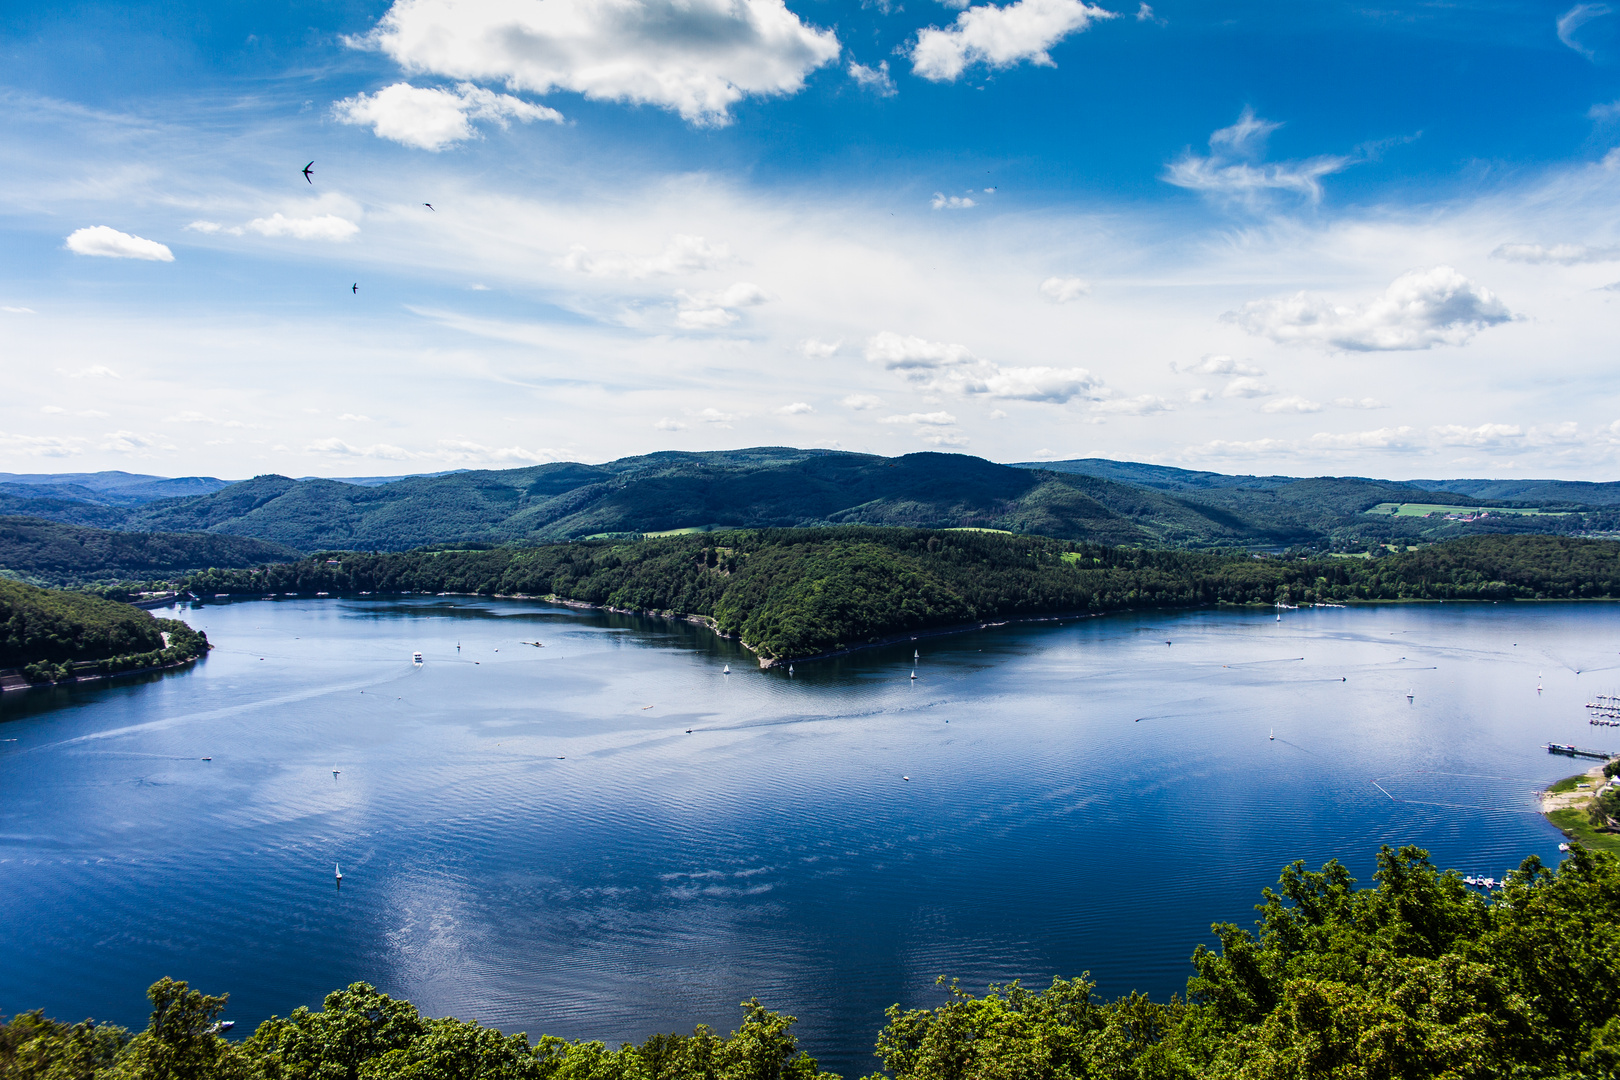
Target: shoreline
x=1566 y=810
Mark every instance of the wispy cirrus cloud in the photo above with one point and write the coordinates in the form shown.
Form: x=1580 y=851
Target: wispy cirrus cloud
x=1561 y=254
x=1234 y=168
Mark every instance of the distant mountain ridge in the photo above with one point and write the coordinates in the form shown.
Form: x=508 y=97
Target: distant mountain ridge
x=1083 y=499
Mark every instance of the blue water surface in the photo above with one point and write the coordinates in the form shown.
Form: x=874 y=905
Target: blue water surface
x=608 y=837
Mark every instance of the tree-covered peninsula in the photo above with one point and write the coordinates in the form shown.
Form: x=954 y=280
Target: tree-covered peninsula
x=1417 y=978
x=49 y=635
x=790 y=593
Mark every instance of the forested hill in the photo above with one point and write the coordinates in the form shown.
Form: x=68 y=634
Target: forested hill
x=1417 y=978
x=52 y=635
x=790 y=593
x=782 y=487
x=52 y=553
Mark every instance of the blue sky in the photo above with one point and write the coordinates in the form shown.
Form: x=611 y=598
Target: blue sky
x=1266 y=237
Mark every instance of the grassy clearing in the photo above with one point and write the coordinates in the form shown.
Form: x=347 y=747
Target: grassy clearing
x=1573 y=824
x=1388 y=509
x=1568 y=784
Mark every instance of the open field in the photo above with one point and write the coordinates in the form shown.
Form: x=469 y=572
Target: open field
x=1391 y=509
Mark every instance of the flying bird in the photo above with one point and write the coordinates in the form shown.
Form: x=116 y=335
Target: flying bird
x=355 y=287
x=429 y=206
x=306 y=170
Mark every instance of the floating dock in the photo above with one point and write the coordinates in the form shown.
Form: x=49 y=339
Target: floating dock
x=1576 y=751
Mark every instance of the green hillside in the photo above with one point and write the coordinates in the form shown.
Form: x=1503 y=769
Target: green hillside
x=790 y=593
x=52 y=553
x=781 y=487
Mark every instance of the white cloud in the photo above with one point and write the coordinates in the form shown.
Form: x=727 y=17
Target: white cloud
x=998 y=414
x=42 y=445
x=941 y=201
x=715 y=416
x=1141 y=405
x=209 y=227
x=682 y=255
x=1049 y=384
x=874 y=79
x=798 y=408
x=1195 y=396
x=1233 y=168
x=17 y=310
x=339 y=448
x=57 y=410
x=914 y=354
x=1606 y=111
x=1359 y=403
x=1419 y=310
x=1144 y=13
x=321 y=227
x=192 y=416
x=696 y=57
x=704 y=318
x=931 y=419
x=1563 y=254
x=862 y=402
x=432 y=119
x=1575 y=18
x=818 y=350
x=1387 y=438
x=1292 y=404
x=94 y=371
x=1485 y=435
x=1246 y=388
x=466 y=452
x=667 y=424
x=357 y=417
x=1000 y=37
x=131 y=442
x=109 y=243
x=1060 y=290
x=1216 y=365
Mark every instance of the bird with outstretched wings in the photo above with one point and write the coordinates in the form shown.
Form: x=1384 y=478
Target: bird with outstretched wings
x=306 y=171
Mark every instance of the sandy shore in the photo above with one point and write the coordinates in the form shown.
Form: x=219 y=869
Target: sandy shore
x=1576 y=799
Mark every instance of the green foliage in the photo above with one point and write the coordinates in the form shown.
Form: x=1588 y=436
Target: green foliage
x=54 y=635
x=801 y=592
x=51 y=553
x=1418 y=978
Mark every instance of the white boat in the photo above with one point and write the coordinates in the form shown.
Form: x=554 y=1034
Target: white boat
x=913 y=674
x=916 y=655
x=339 y=871
x=790 y=669
x=1563 y=847
x=335 y=771
x=1273 y=734
x=727 y=670
x=416 y=658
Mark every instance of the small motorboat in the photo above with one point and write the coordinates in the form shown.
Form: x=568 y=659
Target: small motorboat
x=416 y=658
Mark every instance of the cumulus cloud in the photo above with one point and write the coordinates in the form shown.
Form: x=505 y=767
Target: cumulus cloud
x=319 y=227
x=1060 y=290
x=682 y=255
x=1485 y=436
x=1575 y=18
x=1246 y=388
x=941 y=201
x=1234 y=167
x=1562 y=254
x=695 y=57
x=818 y=350
x=716 y=417
x=432 y=119
x=132 y=442
x=797 y=408
x=1000 y=37
x=940 y=365
x=338 y=448
x=1292 y=404
x=668 y=424
x=209 y=227
x=710 y=311
x=94 y=371
x=109 y=243
x=862 y=402
x=874 y=79
x=1419 y=310
x=1386 y=438
x=1216 y=365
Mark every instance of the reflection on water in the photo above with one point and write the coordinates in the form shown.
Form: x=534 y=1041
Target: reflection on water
x=607 y=837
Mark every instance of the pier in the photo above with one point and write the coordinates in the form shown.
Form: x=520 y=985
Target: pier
x=1576 y=751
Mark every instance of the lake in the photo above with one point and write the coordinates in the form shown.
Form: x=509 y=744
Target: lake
x=607 y=836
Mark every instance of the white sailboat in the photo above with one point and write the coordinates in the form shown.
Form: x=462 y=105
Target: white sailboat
x=1273 y=734
x=338 y=870
x=727 y=670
